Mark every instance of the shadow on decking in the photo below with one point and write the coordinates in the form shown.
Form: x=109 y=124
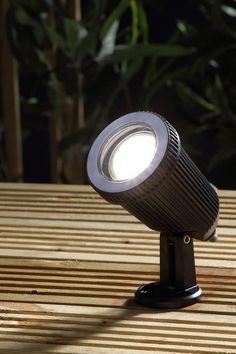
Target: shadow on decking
x=74 y=335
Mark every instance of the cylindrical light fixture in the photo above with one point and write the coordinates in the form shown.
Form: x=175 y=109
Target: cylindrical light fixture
x=137 y=161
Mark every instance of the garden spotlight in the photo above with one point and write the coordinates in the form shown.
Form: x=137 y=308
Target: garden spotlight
x=137 y=161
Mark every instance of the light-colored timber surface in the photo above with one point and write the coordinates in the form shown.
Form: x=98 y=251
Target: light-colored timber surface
x=70 y=264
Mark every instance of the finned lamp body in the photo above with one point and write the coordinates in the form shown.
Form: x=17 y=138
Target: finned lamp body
x=168 y=193
x=138 y=162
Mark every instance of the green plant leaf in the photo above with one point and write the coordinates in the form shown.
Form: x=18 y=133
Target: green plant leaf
x=115 y=14
x=108 y=43
x=23 y=17
x=127 y=52
x=162 y=80
x=56 y=38
x=83 y=32
x=135 y=21
x=185 y=28
x=156 y=72
x=42 y=56
x=71 y=32
x=228 y=10
x=133 y=68
x=143 y=21
x=218 y=19
x=187 y=92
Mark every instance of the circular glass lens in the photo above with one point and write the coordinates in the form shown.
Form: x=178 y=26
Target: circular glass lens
x=132 y=155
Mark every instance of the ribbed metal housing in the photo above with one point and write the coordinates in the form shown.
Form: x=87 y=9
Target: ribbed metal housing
x=176 y=197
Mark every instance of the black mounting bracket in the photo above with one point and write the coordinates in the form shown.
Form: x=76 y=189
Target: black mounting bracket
x=177 y=286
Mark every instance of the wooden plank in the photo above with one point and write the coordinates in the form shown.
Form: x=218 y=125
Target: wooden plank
x=95 y=206
x=38 y=188
x=70 y=264
x=72 y=324
x=84 y=240
x=101 y=284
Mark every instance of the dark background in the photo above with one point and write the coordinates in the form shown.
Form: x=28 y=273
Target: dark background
x=176 y=58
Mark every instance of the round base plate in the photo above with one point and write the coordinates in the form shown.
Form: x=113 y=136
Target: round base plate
x=151 y=295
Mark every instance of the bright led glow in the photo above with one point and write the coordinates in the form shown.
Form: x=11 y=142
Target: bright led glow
x=132 y=155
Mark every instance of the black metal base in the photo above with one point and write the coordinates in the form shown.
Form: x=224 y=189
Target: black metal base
x=152 y=295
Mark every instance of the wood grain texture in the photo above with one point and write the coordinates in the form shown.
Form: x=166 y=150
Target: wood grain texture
x=69 y=266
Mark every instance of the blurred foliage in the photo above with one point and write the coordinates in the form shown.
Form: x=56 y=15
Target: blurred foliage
x=204 y=81
x=90 y=47
x=107 y=49
x=122 y=69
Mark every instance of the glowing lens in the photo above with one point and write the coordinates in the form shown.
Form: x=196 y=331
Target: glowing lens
x=132 y=155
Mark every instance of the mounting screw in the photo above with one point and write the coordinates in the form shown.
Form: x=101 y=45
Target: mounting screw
x=187 y=239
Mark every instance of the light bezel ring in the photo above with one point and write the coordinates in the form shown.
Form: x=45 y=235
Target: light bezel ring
x=151 y=120
x=114 y=141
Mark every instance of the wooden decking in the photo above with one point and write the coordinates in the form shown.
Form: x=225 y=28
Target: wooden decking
x=69 y=266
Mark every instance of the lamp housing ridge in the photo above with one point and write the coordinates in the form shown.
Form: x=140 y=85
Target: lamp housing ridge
x=170 y=194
